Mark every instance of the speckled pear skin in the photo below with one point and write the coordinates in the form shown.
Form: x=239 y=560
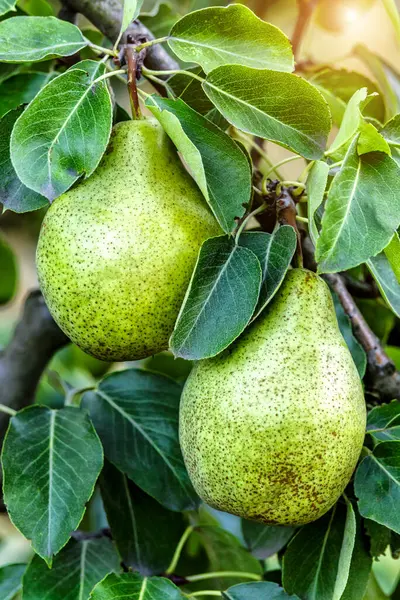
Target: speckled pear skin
x=116 y=253
x=272 y=428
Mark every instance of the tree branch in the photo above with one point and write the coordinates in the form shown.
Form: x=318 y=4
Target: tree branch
x=35 y=340
x=305 y=11
x=106 y=15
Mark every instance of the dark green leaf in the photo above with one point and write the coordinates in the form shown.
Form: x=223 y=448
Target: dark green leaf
x=6 y=5
x=160 y=20
x=13 y=194
x=20 y=89
x=383 y=422
x=36 y=8
x=380 y=537
x=143 y=408
x=50 y=155
x=261 y=590
x=298 y=118
x=274 y=252
x=387 y=281
x=145 y=532
x=377 y=485
x=51 y=460
x=208 y=152
x=361 y=213
x=8 y=272
x=220 y=300
x=225 y=553
x=32 y=39
x=190 y=90
x=75 y=572
x=316 y=185
x=230 y=36
x=339 y=85
x=11 y=581
x=133 y=586
x=357 y=351
x=317 y=562
x=265 y=540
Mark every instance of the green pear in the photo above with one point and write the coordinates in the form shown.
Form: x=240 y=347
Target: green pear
x=116 y=252
x=272 y=428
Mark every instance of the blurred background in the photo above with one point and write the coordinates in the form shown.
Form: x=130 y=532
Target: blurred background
x=337 y=27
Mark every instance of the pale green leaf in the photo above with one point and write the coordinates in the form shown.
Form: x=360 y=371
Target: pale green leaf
x=350 y=124
x=207 y=151
x=388 y=284
x=370 y=140
x=30 y=39
x=50 y=154
x=51 y=461
x=392 y=252
x=130 y=12
x=11 y=581
x=316 y=185
x=7 y=5
x=258 y=590
x=361 y=213
x=297 y=118
x=220 y=300
x=234 y=35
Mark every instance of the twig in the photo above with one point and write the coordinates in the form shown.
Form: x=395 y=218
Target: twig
x=131 y=60
x=35 y=340
x=286 y=215
x=306 y=9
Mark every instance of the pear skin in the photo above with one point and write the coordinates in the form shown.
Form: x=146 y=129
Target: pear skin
x=272 y=428
x=116 y=252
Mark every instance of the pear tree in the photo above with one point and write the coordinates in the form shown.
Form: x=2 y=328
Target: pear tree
x=203 y=398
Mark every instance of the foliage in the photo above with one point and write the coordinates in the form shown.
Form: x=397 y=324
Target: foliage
x=117 y=432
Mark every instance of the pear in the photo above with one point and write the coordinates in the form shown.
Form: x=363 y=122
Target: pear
x=272 y=428
x=116 y=252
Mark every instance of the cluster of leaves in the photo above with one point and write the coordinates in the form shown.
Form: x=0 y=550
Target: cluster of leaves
x=240 y=85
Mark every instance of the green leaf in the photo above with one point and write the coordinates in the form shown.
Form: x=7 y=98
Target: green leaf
x=383 y=422
x=317 y=562
x=391 y=132
x=360 y=567
x=316 y=185
x=36 y=8
x=190 y=90
x=50 y=155
x=230 y=36
x=21 y=89
x=361 y=213
x=350 y=124
x=371 y=140
x=208 y=152
x=356 y=350
x=7 y=5
x=8 y=272
x=297 y=117
x=11 y=581
x=51 y=460
x=225 y=553
x=160 y=20
x=265 y=540
x=146 y=533
x=220 y=300
x=143 y=408
x=338 y=86
x=274 y=252
x=387 y=281
x=13 y=194
x=258 y=590
x=75 y=572
x=377 y=485
x=131 y=10
x=133 y=586
x=383 y=75
x=32 y=39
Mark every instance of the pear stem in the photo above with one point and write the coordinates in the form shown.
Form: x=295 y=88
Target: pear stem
x=178 y=551
x=218 y=574
x=131 y=61
x=7 y=410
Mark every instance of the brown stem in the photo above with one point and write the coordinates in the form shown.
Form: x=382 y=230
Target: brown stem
x=305 y=12
x=286 y=215
x=130 y=57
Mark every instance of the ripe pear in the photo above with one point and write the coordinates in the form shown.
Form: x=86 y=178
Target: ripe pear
x=271 y=429
x=116 y=252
